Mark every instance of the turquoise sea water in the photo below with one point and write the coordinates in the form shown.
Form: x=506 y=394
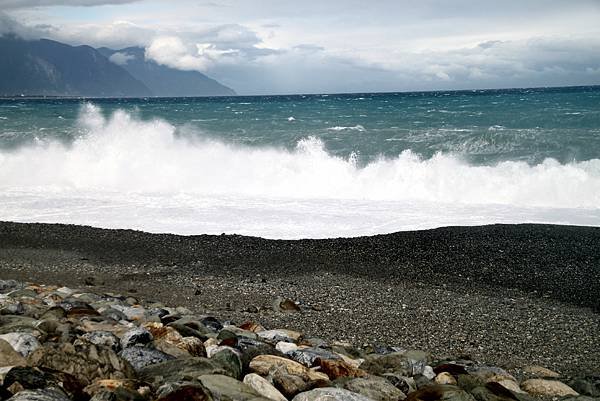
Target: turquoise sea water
x=305 y=165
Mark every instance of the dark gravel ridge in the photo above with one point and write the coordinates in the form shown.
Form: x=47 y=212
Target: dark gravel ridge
x=560 y=262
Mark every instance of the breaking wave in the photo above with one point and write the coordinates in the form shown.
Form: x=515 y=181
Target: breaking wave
x=124 y=153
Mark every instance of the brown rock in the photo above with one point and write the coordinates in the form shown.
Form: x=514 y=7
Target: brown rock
x=339 y=368
x=265 y=364
x=540 y=371
x=86 y=362
x=10 y=357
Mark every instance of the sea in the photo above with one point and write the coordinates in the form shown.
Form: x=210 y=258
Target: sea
x=304 y=166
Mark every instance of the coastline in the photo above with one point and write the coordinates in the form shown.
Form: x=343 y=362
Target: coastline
x=504 y=294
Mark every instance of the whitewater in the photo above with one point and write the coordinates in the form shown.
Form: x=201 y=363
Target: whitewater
x=121 y=169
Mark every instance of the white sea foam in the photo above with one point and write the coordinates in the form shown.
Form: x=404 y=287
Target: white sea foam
x=342 y=128
x=130 y=173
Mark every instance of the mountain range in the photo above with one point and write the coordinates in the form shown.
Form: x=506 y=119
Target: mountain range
x=50 y=68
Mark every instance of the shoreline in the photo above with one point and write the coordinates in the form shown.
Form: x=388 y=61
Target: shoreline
x=505 y=294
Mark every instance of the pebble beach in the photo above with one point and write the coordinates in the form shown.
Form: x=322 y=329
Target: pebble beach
x=470 y=313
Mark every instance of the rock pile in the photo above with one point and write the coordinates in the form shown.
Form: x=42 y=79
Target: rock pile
x=59 y=344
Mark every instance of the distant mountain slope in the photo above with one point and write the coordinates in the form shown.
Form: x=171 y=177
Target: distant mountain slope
x=46 y=67
x=162 y=80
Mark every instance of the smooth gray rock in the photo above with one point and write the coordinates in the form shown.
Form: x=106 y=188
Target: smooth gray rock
x=226 y=388
x=376 y=388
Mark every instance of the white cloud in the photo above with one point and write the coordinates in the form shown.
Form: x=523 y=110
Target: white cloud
x=121 y=58
x=172 y=52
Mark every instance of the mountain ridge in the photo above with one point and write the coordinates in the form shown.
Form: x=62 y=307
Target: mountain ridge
x=44 y=67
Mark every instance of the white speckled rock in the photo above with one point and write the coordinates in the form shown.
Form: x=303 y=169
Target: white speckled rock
x=263 y=387
x=285 y=347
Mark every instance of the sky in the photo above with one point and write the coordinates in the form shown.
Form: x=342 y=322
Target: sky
x=334 y=46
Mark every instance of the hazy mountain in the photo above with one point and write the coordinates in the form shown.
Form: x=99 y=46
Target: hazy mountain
x=162 y=80
x=46 y=67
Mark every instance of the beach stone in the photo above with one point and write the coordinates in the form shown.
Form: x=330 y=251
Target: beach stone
x=285 y=347
x=445 y=378
x=335 y=369
x=39 y=395
x=131 y=313
x=23 y=343
x=140 y=357
x=104 y=338
x=213 y=349
x=550 y=388
x=482 y=393
x=266 y=364
x=16 y=308
x=284 y=305
x=185 y=391
x=86 y=362
x=491 y=373
x=230 y=361
x=452 y=368
x=22 y=293
x=588 y=386
x=9 y=285
x=540 y=371
x=17 y=324
x=375 y=388
x=160 y=331
x=443 y=392
x=10 y=357
x=395 y=362
x=54 y=313
x=187 y=331
x=280 y=335
x=137 y=336
x=114 y=314
x=290 y=385
x=252 y=348
x=192 y=345
x=212 y=323
x=405 y=384
x=263 y=387
x=252 y=326
x=330 y=394
x=309 y=356
x=34 y=378
x=111 y=385
x=180 y=370
x=223 y=387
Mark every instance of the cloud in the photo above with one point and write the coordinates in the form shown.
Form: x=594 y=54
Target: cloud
x=15 y=4
x=121 y=58
x=171 y=51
